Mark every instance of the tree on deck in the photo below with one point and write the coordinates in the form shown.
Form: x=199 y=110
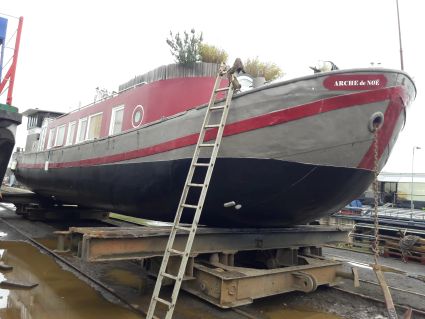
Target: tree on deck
x=270 y=71
x=185 y=50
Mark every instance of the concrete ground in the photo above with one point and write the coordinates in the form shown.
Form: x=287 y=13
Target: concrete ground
x=127 y=280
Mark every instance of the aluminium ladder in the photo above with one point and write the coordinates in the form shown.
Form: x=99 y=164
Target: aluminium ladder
x=192 y=208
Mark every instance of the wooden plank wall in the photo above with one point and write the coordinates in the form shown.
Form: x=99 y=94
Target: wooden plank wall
x=173 y=71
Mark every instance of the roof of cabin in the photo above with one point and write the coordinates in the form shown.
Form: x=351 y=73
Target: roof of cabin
x=31 y=112
x=171 y=71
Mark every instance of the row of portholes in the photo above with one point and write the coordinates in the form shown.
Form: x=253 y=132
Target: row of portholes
x=137 y=116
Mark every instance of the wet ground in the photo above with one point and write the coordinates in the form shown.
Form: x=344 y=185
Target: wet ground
x=58 y=292
x=63 y=293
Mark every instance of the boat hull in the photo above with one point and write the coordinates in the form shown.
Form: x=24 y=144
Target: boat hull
x=271 y=192
x=292 y=152
x=8 y=123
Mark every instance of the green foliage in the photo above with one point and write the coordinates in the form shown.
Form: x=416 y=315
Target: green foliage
x=185 y=50
x=269 y=70
x=212 y=54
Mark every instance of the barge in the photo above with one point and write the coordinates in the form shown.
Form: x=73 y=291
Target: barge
x=294 y=150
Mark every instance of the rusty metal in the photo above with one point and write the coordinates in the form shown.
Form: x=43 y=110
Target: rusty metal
x=229 y=286
x=126 y=243
x=63 y=244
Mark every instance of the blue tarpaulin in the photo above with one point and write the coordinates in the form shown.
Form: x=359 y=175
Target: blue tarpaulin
x=3 y=29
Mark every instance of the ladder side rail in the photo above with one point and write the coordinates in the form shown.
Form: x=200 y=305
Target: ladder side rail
x=177 y=218
x=196 y=152
x=204 y=191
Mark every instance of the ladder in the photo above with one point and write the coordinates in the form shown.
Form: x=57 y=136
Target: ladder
x=193 y=208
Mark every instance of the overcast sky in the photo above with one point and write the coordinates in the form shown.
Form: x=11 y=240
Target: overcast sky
x=69 y=48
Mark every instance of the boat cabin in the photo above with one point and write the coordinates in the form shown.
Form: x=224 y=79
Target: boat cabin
x=158 y=94
x=36 y=118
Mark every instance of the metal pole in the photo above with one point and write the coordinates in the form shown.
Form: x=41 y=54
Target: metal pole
x=411 y=186
x=399 y=37
x=14 y=63
x=412 y=206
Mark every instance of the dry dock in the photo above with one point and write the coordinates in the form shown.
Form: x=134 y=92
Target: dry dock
x=121 y=289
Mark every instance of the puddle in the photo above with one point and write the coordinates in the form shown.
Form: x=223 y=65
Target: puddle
x=297 y=314
x=274 y=308
x=59 y=294
x=50 y=243
x=123 y=277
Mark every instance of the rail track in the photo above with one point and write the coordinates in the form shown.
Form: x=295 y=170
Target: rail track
x=104 y=288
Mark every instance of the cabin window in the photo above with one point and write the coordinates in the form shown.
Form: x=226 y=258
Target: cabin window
x=137 y=117
x=71 y=133
x=51 y=136
x=95 y=123
x=82 y=128
x=42 y=139
x=43 y=134
x=116 y=120
x=60 y=136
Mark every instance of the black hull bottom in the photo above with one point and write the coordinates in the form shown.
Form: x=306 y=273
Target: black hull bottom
x=271 y=193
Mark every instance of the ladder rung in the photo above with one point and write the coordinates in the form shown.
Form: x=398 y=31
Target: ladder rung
x=206 y=145
x=212 y=125
x=189 y=206
x=202 y=164
x=183 y=228
x=164 y=274
x=175 y=251
x=218 y=107
x=195 y=185
x=223 y=89
x=165 y=302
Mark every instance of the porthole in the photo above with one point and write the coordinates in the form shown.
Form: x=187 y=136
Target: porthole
x=137 y=117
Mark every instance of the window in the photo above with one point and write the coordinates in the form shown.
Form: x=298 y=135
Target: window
x=116 y=120
x=51 y=136
x=71 y=133
x=95 y=123
x=137 y=117
x=43 y=134
x=60 y=136
x=82 y=128
x=42 y=139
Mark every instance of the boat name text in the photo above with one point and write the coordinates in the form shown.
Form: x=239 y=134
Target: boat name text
x=357 y=83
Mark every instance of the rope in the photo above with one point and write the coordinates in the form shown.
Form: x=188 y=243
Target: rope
x=4 y=91
x=375 y=247
x=8 y=15
x=8 y=61
x=11 y=37
x=406 y=244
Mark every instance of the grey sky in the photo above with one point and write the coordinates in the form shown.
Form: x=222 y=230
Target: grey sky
x=69 y=48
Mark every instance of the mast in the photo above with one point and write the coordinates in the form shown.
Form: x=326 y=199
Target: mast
x=399 y=38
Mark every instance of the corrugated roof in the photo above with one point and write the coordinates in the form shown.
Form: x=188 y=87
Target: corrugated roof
x=401 y=177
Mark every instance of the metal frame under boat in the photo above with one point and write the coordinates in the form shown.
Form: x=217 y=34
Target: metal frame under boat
x=220 y=268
